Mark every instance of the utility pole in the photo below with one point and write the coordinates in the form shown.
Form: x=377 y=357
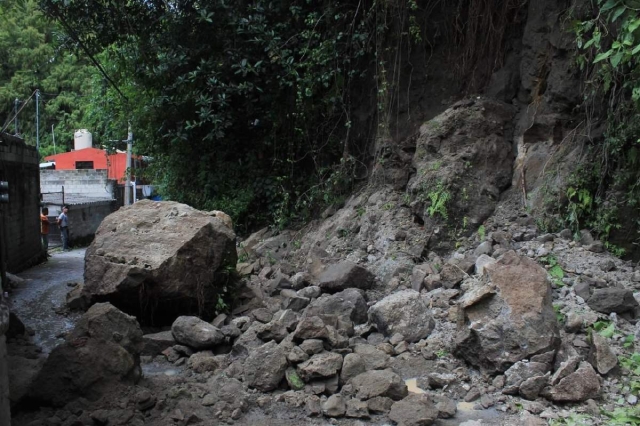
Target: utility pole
x=53 y=136
x=38 y=120
x=127 y=185
x=15 y=120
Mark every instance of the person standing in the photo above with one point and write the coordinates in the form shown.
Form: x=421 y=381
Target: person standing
x=44 y=229
x=63 y=223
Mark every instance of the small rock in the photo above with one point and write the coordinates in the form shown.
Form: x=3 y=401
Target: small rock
x=379 y=404
x=334 y=406
x=414 y=410
x=357 y=409
x=605 y=359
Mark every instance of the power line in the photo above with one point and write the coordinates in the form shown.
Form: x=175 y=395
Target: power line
x=54 y=12
x=6 y=124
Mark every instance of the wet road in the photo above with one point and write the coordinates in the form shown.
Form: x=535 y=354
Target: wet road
x=45 y=292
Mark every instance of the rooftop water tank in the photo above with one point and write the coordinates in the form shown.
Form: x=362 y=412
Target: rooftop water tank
x=82 y=139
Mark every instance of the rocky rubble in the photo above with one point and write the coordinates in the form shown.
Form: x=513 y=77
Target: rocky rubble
x=374 y=317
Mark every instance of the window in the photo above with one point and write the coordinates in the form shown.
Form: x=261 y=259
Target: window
x=84 y=165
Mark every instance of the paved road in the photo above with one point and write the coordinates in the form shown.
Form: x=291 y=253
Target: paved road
x=45 y=291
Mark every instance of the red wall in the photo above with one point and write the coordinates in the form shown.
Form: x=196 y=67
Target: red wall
x=116 y=164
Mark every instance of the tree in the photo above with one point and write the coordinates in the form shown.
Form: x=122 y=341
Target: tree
x=37 y=56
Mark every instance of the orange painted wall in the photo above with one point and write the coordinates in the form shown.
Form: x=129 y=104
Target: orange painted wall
x=116 y=164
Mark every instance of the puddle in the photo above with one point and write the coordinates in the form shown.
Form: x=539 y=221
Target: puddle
x=412 y=386
x=157 y=369
x=465 y=406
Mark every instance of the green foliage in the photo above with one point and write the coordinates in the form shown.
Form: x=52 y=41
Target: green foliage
x=605 y=328
x=623 y=416
x=255 y=98
x=628 y=341
x=574 y=419
x=608 y=43
x=559 y=315
x=481 y=232
x=439 y=198
x=37 y=56
x=555 y=270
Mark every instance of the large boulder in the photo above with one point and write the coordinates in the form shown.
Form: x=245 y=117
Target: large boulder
x=159 y=260
x=509 y=316
x=463 y=161
x=349 y=304
x=405 y=312
x=103 y=350
x=344 y=275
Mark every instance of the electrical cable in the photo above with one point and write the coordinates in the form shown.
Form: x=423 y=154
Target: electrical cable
x=6 y=124
x=54 y=12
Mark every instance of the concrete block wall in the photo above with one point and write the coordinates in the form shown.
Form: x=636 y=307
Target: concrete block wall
x=89 y=183
x=84 y=219
x=19 y=165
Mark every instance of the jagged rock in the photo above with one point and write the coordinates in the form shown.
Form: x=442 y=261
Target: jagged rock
x=417 y=277
x=451 y=275
x=22 y=373
x=404 y=312
x=566 y=367
x=446 y=406
x=374 y=359
x=161 y=254
x=16 y=326
x=311 y=292
x=297 y=355
x=414 y=410
x=334 y=406
x=194 y=332
x=155 y=343
x=227 y=395
x=313 y=406
x=357 y=409
x=603 y=357
x=531 y=388
x=379 y=404
x=352 y=366
x=76 y=298
x=344 y=275
x=379 y=383
x=203 y=361
x=485 y=248
x=515 y=319
x=521 y=371
x=325 y=364
x=262 y=314
x=346 y=304
x=275 y=330
x=103 y=349
x=312 y=346
x=447 y=155
x=291 y=300
x=311 y=328
x=265 y=367
x=578 y=386
x=613 y=299
x=481 y=262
